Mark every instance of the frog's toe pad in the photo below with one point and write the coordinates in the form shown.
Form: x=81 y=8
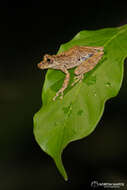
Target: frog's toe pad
x=60 y=92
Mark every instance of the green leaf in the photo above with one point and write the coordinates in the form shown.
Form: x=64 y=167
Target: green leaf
x=60 y=122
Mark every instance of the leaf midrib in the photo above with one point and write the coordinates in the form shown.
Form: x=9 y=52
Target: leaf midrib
x=69 y=110
x=115 y=35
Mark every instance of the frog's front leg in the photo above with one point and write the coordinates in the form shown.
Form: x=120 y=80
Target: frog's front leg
x=86 y=66
x=65 y=83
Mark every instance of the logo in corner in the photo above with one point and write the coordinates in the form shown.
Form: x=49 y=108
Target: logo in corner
x=94 y=184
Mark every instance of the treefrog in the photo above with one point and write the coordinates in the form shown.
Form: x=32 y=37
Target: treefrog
x=84 y=58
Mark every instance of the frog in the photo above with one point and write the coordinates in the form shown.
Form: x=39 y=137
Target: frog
x=82 y=58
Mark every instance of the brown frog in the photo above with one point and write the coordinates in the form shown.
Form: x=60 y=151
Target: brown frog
x=84 y=58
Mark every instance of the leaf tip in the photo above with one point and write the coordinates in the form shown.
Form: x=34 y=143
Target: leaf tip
x=59 y=164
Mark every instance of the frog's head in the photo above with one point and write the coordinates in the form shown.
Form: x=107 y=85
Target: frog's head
x=47 y=62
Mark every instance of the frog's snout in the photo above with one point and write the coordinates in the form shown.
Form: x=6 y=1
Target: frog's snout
x=39 y=65
x=43 y=65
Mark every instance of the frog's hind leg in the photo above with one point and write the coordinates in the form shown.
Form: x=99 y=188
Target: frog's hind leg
x=86 y=66
x=65 y=83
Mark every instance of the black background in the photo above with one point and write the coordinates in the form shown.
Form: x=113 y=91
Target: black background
x=28 y=30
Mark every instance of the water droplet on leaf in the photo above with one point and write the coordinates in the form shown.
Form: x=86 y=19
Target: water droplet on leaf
x=108 y=84
x=68 y=109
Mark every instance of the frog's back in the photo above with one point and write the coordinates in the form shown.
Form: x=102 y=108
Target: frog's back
x=72 y=57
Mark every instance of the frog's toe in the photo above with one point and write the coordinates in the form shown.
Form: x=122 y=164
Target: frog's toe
x=77 y=79
x=59 y=93
x=61 y=97
x=54 y=98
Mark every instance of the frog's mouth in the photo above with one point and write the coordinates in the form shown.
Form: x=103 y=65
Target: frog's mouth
x=41 y=65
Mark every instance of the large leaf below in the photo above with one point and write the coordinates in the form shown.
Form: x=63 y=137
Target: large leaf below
x=59 y=122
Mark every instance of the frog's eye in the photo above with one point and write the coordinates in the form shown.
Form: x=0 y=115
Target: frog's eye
x=48 y=60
